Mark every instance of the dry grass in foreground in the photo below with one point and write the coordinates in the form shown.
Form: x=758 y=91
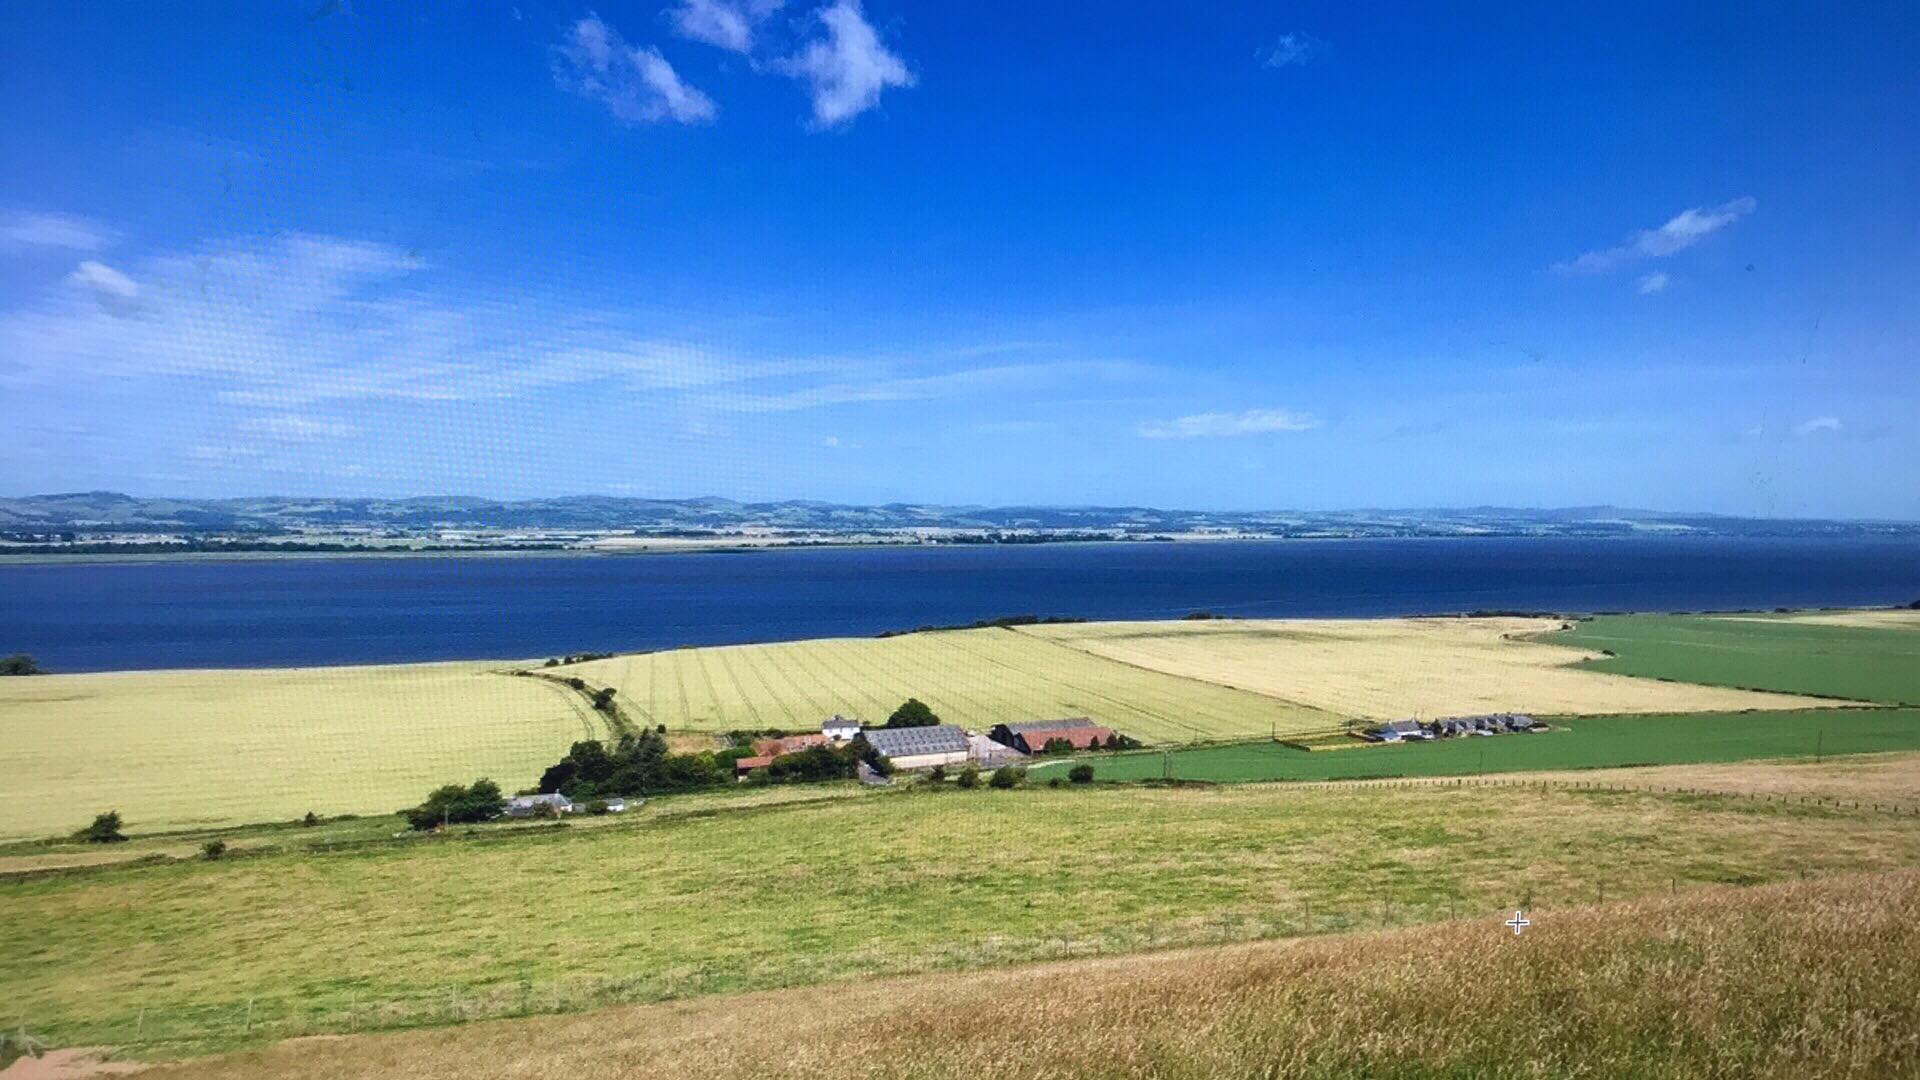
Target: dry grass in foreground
x=1389 y=668
x=1801 y=980
x=1872 y=779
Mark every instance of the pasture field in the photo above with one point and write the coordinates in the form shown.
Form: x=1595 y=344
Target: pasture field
x=1778 y=983
x=176 y=749
x=180 y=958
x=975 y=678
x=1579 y=742
x=1830 y=654
x=1383 y=669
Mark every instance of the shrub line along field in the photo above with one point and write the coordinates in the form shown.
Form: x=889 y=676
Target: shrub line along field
x=187 y=957
x=1779 y=983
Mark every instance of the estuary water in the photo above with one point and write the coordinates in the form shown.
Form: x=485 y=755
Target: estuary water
x=309 y=611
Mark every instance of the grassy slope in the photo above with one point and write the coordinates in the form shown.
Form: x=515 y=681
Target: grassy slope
x=976 y=678
x=1578 y=743
x=1391 y=668
x=1783 y=982
x=1868 y=662
x=426 y=933
x=190 y=748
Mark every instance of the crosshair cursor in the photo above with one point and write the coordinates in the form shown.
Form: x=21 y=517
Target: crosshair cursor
x=1519 y=922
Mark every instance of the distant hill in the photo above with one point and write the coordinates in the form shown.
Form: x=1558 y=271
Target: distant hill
x=107 y=512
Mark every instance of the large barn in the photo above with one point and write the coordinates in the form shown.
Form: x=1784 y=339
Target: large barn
x=1030 y=738
x=920 y=747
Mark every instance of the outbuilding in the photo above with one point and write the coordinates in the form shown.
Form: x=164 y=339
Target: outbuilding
x=920 y=747
x=839 y=728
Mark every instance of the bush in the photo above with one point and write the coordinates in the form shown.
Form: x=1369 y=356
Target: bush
x=969 y=777
x=19 y=664
x=310 y=820
x=213 y=849
x=456 y=805
x=912 y=713
x=937 y=773
x=104 y=830
x=1081 y=774
x=597 y=807
x=1007 y=776
x=1054 y=781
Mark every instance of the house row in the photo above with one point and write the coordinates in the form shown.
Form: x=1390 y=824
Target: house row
x=526 y=806
x=1452 y=727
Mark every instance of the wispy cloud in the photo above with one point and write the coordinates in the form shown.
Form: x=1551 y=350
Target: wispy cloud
x=1653 y=283
x=1214 y=425
x=1292 y=50
x=636 y=85
x=726 y=24
x=113 y=289
x=32 y=229
x=295 y=428
x=848 y=67
x=1817 y=425
x=1682 y=231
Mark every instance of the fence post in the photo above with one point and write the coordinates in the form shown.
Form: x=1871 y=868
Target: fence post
x=249 y=1026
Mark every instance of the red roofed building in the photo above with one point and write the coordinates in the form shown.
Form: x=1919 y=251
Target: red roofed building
x=791 y=744
x=1035 y=740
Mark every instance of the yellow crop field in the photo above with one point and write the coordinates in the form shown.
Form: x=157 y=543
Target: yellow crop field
x=1885 y=619
x=1391 y=668
x=975 y=678
x=183 y=748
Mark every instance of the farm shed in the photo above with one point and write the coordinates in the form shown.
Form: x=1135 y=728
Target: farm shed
x=789 y=744
x=922 y=747
x=1009 y=734
x=1033 y=740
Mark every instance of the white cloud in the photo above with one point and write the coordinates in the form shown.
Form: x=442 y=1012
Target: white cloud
x=295 y=428
x=636 y=85
x=111 y=287
x=831 y=442
x=25 y=229
x=1292 y=50
x=1212 y=425
x=1817 y=425
x=1682 y=231
x=848 y=68
x=1653 y=283
x=727 y=24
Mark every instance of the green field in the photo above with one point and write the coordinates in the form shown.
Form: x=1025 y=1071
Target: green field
x=189 y=956
x=1793 y=655
x=1583 y=742
x=975 y=678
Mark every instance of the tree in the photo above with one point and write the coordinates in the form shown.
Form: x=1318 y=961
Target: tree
x=19 y=664
x=969 y=777
x=912 y=713
x=1081 y=774
x=310 y=820
x=213 y=849
x=104 y=830
x=1007 y=776
x=456 y=805
x=937 y=774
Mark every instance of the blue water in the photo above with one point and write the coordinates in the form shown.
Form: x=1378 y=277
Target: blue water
x=96 y=616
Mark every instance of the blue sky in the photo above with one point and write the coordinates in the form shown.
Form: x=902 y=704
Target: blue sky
x=1284 y=255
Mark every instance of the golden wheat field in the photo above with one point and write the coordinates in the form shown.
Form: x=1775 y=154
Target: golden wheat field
x=975 y=678
x=1889 y=619
x=186 y=748
x=1389 y=668
x=1786 y=981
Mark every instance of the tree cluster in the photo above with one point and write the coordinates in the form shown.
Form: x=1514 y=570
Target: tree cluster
x=638 y=764
x=19 y=664
x=912 y=713
x=457 y=805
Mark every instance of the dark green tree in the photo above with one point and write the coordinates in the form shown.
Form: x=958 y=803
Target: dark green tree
x=104 y=830
x=912 y=713
x=1081 y=774
x=19 y=664
x=1007 y=776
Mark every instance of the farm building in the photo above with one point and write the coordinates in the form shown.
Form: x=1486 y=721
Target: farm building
x=522 y=806
x=1011 y=734
x=920 y=747
x=1033 y=740
x=839 y=728
x=1398 y=730
x=745 y=765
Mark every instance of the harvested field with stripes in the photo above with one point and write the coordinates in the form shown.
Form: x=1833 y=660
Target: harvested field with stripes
x=1382 y=669
x=976 y=678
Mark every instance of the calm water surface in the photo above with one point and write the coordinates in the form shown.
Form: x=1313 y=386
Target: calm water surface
x=270 y=612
